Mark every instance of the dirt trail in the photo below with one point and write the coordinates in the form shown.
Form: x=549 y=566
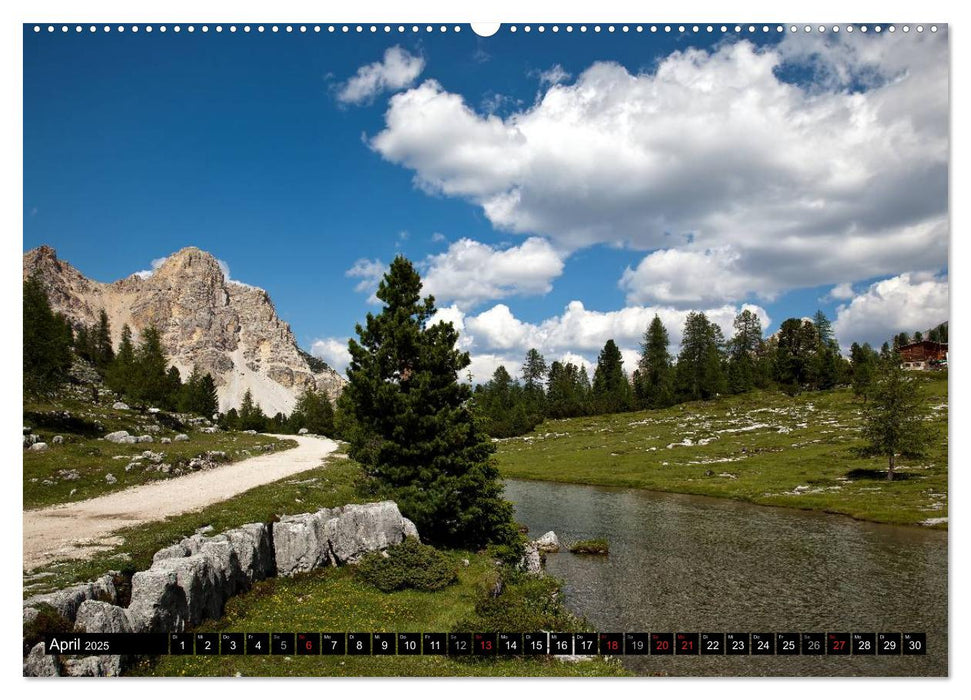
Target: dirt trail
x=71 y=531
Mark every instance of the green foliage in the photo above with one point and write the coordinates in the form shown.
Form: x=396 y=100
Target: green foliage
x=410 y=564
x=863 y=364
x=48 y=622
x=894 y=417
x=611 y=389
x=795 y=352
x=199 y=394
x=594 y=546
x=699 y=373
x=567 y=391
x=505 y=406
x=251 y=416
x=313 y=412
x=534 y=372
x=524 y=603
x=654 y=376
x=410 y=423
x=744 y=351
x=121 y=371
x=46 y=341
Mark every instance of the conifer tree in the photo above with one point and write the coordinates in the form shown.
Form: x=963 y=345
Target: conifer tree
x=313 y=412
x=863 y=363
x=699 y=373
x=103 y=351
x=251 y=416
x=744 y=350
x=409 y=421
x=654 y=384
x=47 y=339
x=534 y=373
x=796 y=349
x=122 y=368
x=150 y=383
x=611 y=389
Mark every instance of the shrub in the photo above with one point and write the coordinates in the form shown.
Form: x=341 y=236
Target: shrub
x=524 y=604
x=597 y=546
x=410 y=564
x=48 y=622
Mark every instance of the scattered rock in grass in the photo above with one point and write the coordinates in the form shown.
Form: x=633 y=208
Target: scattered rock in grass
x=144 y=438
x=38 y=447
x=166 y=441
x=302 y=431
x=120 y=406
x=532 y=561
x=153 y=410
x=68 y=474
x=30 y=439
x=120 y=436
x=58 y=440
x=111 y=478
x=181 y=437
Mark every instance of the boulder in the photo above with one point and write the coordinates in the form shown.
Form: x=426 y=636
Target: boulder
x=120 y=406
x=38 y=664
x=153 y=410
x=191 y=581
x=337 y=536
x=158 y=602
x=97 y=617
x=93 y=666
x=302 y=431
x=548 y=542
x=58 y=440
x=30 y=439
x=111 y=479
x=181 y=437
x=117 y=436
x=68 y=600
x=144 y=438
x=165 y=440
x=38 y=447
x=532 y=562
x=299 y=542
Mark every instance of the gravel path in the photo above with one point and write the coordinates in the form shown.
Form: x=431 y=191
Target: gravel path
x=71 y=531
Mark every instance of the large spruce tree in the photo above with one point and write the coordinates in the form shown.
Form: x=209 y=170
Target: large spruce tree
x=654 y=382
x=699 y=373
x=894 y=417
x=744 y=350
x=611 y=390
x=409 y=422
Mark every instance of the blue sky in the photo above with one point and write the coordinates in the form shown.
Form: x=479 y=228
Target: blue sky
x=557 y=189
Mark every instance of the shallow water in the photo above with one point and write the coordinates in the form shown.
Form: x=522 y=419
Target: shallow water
x=697 y=564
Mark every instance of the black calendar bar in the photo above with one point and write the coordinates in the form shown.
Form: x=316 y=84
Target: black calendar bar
x=889 y=644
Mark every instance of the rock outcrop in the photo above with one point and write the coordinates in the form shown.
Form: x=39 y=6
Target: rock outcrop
x=335 y=536
x=227 y=328
x=193 y=579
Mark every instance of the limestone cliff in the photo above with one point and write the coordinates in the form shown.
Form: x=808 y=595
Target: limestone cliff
x=226 y=328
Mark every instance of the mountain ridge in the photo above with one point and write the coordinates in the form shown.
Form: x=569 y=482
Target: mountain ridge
x=227 y=328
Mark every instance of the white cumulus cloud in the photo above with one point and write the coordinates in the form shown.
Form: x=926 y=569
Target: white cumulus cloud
x=398 y=69
x=470 y=272
x=334 y=352
x=909 y=302
x=763 y=183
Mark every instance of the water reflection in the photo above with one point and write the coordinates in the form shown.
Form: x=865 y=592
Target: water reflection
x=686 y=563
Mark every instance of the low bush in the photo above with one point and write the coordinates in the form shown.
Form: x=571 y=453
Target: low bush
x=523 y=604
x=410 y=564
x=48 y=622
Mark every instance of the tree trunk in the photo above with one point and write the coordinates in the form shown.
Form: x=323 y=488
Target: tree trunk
x=893 y=459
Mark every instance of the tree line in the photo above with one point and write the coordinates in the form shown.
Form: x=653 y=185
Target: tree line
x=803 y=355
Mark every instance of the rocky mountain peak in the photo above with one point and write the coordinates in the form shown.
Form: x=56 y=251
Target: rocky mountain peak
x=226 y=328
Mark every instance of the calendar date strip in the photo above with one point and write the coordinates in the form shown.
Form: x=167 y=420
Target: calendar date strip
x=493 y=644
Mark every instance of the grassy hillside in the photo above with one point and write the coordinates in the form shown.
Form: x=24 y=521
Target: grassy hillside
x=80 y=466
x=767 y=448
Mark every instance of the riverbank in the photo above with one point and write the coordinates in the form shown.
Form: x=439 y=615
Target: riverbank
x=765 y=448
